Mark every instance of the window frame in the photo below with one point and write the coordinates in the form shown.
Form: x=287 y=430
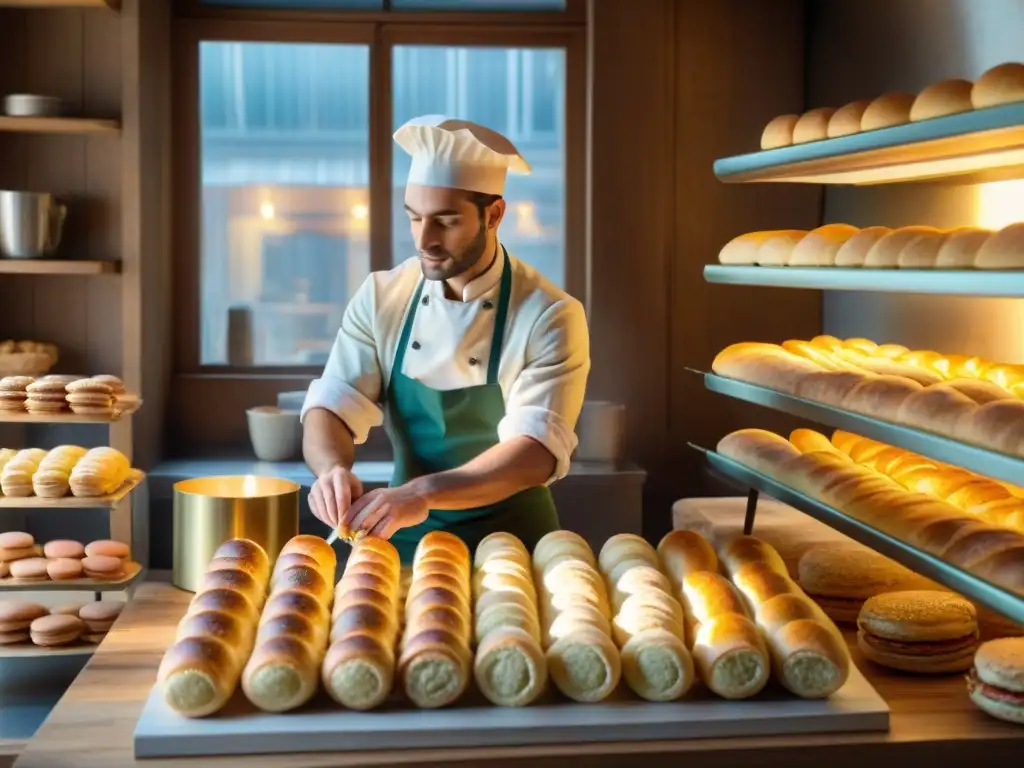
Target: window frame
x=199 y=393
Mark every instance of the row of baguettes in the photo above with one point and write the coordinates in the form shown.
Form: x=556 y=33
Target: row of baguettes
x=200 y=671
x=932 y=525
x=647 y=621
x=1002 y=84
x=509 y=666
x=583 y=660
x=986 y=380
x=994 y=501
x=964 y=409
x=359 y=667
x=914 y=247
x=435 y=662
x=283 y=670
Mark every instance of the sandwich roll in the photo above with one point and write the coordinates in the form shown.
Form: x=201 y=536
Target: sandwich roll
x=887 y=110
x=657 y=665
x=585 y=665
x=1003 y=250
x=1002 y=84
x=921 y=252
x=779 y=132
x=731 y=657
x=885 y=253
x=509 y=668
x=745 y=550
x=683 y=552
x=854 y=251
x=948 y=97
x=819 y=247
x=847 y=119
x=623 y=547
x=959 y=248
x=777 y=250
x=705 y=595
x=201 y=670
x=742 y=250
x=358 y=668
x=812 y=125
x=565 y=544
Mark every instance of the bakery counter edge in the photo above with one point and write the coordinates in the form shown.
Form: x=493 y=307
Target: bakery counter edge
x=932 y=721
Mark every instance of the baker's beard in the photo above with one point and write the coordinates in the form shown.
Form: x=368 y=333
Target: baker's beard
x=454 y=264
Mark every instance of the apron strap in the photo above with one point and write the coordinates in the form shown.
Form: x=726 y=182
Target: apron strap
x=498 y=340
x=403 y=340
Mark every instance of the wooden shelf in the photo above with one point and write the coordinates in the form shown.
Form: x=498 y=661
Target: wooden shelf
x=30 y=651
x=132 y=572
x=58 y=267
x=74 y=502
x=940 y=282
x=66 y=417
x=984 y=144
x=114 y=5
x=69 y=125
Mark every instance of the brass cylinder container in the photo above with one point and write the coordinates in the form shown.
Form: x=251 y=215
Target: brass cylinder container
x=211 y=510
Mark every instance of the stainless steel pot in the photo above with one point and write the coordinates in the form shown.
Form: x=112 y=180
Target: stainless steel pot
x=31 y=224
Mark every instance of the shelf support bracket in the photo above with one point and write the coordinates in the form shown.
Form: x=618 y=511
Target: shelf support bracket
x=748 y=518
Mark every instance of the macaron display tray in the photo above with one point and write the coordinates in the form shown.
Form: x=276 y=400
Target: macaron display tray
x=321 y=726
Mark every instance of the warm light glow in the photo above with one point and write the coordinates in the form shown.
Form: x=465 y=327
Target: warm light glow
x=1000 y=204
x=249 y=486
x=526 y=219
x=360 y=211
x=267 y=211
x=912 y=170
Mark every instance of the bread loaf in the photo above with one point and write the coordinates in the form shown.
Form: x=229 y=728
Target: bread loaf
x=777 y=250
x=854 y=251
x=1002 y=250
x=1002 y=84
x=779 y=132
x=847 y=119
x=358 y=669
x=885 y=253
x=921 y=252
x=648 y=620
x=200 y=671
x=583 y=660
x=283 y=672
x=435 y=662
x=819 y=247
x=812 y=125
x=887 y=110
x=729 y=655
x=959 y=248
x=510 y=667
x=947 y=97
x=809 y=656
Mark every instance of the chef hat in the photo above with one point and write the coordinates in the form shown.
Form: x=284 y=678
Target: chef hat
x=458 y=154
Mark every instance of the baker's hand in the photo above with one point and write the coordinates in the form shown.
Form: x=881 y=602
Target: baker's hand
x=332 y=495
x=384 y=511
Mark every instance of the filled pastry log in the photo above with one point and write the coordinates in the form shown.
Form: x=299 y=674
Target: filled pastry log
x=647 y=620
x=19 y=471
x=435 y=662
x=729 y=653
x=583 y=660
x=52 y=479
x=99 y=472
x=201 y=670
x=509 y=667
x=359 y=668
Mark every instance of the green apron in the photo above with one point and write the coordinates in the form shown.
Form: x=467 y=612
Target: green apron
x=434 y=430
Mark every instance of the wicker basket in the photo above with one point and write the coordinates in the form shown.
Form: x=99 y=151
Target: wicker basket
x=36 y=363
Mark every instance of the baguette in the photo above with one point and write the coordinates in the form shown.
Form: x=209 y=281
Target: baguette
x=583 y=660
x=358 y=669
x=200 y=671
x=509 y=667
x=435 y=660
x=283 y=671
x=809 y=656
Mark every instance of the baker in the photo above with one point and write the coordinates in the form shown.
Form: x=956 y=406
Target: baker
x=474 y=362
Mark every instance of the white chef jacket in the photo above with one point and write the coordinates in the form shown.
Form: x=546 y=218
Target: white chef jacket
x=542 y=371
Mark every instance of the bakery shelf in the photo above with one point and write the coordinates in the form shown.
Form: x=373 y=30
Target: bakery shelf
x=30 y=651
x=997 y=598
x=985 y=144
x=989 y=463
x=966 y=282
x=131 y=573
x=58 y=267
x=65 y=417
x=75 y=502
x=114 y=5
x=68 y=125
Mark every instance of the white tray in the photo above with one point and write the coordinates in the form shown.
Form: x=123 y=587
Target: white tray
x=241 y=730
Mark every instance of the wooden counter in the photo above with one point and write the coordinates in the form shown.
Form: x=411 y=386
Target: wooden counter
x=932 y=722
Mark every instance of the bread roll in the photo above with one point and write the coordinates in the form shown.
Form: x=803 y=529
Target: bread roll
x=435 y=664
x=100 y=472
x=921 y=252
x=745 y=550
x=947 y=97
x=880 y=397
x=558 y=544
x=959 y=248
x=998 y=426
x=53 y=475
x=283 y=672
x=764 y=364
x=743 y=249
x=812 y=125
x=1003 y=250
x=935 y=409
x=887 y=110
x=830 y=387
x=731 y=656
x=1002 y=84
x=847 y=119
x=777 y=250
x=779 y=132
x=758 y=449
x=16 y=478
x=854 y=251
x=200 y=671
x=622 y=547
x=358 y=669
x=885 y=253
x=510 y=668
x=682 y=552
x=819 y=247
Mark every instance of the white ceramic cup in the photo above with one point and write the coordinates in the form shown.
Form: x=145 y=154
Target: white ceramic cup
x=276 y=434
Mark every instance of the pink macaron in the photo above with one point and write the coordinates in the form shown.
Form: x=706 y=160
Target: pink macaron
x=64 y=548
x=30 y=569
x=102 y=567
x=16 y=540
x=107 y=548
x=64 y=568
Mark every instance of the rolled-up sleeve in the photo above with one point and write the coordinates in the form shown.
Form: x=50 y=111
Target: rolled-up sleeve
x=546 y=399
x=350 y=386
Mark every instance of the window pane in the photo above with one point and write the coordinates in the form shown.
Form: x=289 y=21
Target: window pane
x=519 y=92
x=478 y=5
x=285 y=196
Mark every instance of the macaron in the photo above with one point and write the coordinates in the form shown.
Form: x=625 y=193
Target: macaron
x=59 y=629
x=18 y=615
x=64 y=548
x=5 y=570
x=16 y=540
x=10 y=638
x=100 y=616
x=30 y=569
x=10 y=555
x=60 y=568
x=67 y=609
x=102 y=567
x=996 y=683
x=107 y=548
